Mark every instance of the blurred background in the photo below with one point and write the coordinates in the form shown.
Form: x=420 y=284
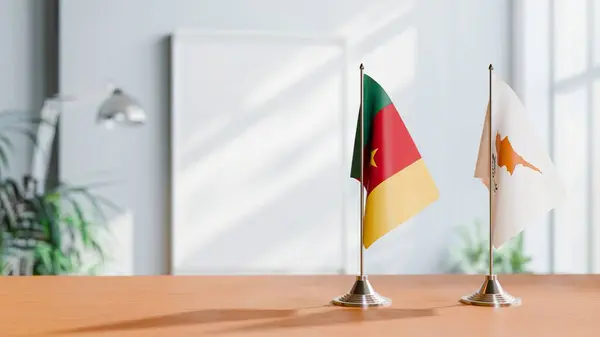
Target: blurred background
x=242 y=163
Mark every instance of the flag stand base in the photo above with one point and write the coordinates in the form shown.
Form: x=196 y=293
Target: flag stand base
x=361 y=295
x=491 y=294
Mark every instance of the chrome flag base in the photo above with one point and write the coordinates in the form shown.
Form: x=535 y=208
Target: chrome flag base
x=491 y=294
x=362 y=295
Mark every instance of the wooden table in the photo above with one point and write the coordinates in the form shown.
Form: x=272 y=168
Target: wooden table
x=565 y=306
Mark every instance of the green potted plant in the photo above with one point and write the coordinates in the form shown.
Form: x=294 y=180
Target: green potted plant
x=472 y=256
x=52 y=232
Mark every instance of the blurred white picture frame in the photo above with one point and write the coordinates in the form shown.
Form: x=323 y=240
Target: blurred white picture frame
x=260 y=154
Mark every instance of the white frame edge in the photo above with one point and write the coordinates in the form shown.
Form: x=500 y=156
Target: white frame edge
x=180 y=36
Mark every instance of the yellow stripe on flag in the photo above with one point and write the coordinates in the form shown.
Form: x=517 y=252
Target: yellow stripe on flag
x=397 y=199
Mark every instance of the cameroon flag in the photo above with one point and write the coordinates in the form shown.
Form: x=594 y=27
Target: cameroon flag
x=397 y=183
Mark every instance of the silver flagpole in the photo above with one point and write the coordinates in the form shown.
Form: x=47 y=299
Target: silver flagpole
x=362 y=293
x=491 y=293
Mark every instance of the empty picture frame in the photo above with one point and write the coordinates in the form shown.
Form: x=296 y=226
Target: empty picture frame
x=259 y=154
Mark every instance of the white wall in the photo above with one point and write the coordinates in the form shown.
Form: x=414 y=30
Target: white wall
x=24 y=63
x=442 y=99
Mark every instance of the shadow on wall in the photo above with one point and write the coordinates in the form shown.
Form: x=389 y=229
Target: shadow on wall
x=252 y=205
x=271 y=183
x=299 y=216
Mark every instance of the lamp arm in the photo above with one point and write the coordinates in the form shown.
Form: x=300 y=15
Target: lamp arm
x=45 y=138
x=50 y=113
x=70 y=98
x=118 y=106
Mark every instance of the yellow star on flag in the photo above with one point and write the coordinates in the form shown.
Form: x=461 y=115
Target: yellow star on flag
x=373 y=163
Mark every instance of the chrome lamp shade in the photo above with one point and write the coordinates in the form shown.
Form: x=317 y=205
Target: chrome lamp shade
x=120 y=108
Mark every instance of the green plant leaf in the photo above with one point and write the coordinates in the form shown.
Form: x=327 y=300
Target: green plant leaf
x=46 y=215
x=72 y=193
x=66 y=222
x=97 y=200
x=29 y=134
x=474 y=253
x=6 y=146
x=65 y=264
x=4 y=159
x=43 y=253
x=16 y=122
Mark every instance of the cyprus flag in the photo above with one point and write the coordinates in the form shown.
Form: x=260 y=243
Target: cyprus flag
x=525 y=182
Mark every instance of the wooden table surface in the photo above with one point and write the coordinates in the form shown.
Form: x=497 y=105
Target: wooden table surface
x=169 y=306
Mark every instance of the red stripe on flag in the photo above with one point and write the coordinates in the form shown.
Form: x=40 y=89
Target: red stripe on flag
x=393 y=145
